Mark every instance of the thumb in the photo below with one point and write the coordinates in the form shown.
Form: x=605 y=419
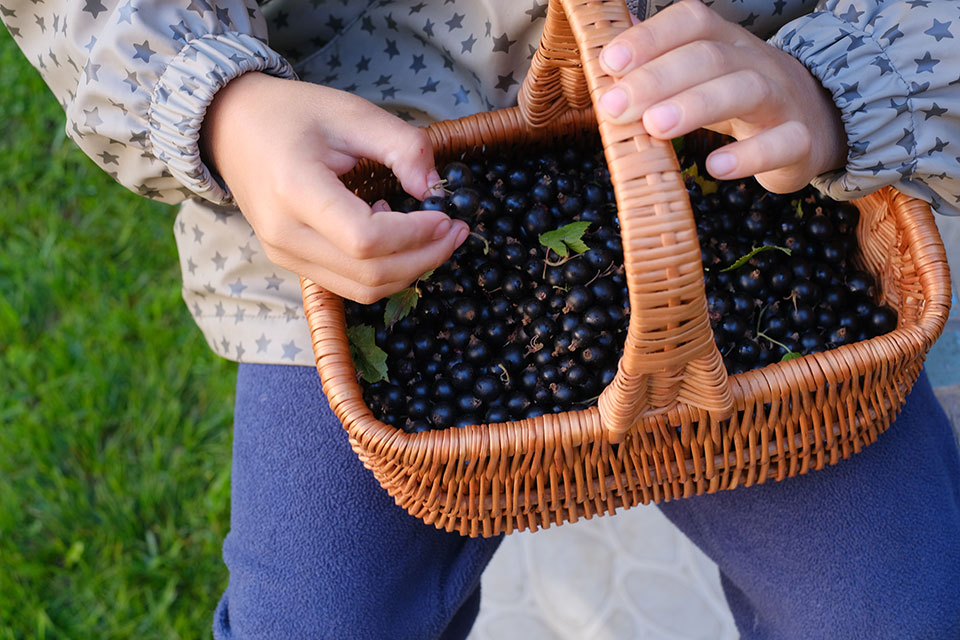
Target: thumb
x=409 y=154
x=402 y=147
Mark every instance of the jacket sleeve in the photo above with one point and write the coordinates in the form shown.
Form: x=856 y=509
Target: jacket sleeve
x=893 y=68
x=135 y=78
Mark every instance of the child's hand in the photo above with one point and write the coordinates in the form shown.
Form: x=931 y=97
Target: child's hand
x=687 y=68
x=280 y=146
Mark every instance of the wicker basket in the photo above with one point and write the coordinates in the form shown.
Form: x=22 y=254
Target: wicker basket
x=672 y=424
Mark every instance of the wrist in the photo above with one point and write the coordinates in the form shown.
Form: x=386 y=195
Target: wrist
x=817 y=109
x=226 y=115
x=830 y=134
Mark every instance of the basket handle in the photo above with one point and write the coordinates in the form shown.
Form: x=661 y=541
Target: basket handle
x=669 y=357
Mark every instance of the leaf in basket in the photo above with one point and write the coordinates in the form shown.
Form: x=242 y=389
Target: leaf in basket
x=797 y=207
x=399 y=306
x=742 y=260
x=707 y=186
x=370 y=360
x=790 y=355
x=568 y=237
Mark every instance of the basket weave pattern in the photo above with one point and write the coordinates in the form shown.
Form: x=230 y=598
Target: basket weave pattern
x=672 y=424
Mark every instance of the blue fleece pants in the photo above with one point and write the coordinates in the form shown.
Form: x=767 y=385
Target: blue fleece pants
x=317 y=550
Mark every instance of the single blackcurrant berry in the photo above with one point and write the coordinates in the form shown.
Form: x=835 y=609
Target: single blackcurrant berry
x=457 y=174
x=882 y=320
x=434 y=203
x=461 y=376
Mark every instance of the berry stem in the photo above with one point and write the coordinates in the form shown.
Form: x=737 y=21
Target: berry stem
x=761 y=334
x=486 y=243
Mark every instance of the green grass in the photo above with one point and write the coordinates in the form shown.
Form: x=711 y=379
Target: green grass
x=115 y=417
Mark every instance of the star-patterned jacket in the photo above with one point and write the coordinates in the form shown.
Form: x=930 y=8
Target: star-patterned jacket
x=135 y=78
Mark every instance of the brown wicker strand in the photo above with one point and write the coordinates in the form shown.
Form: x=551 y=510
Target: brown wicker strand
x=681 y=426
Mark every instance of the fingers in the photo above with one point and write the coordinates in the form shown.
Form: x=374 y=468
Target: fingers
x=403 y=148
x=736 y=95
x=348 y=223
x=309 y=253
x=677 y=25
x=345 y=287
x=780 y=146
x=668 y=75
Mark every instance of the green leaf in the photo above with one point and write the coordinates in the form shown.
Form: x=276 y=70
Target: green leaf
x=399 y=305
x=566 y=238
x=790 y=355
x=369 y=359
x=742 y=260
x=707 y=186
x=797 y=207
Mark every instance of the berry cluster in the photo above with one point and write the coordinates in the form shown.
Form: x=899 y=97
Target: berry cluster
x=529 y=315
x=800 y=293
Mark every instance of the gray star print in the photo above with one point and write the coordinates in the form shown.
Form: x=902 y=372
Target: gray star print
x=135 y=79
x=93 y=7
x=290 y=351
x=143 y=51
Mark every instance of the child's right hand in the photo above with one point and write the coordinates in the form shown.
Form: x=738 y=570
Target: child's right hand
x=280 y=146
x=687 y=67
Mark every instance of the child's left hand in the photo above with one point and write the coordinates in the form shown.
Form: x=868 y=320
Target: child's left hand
x=687 y=68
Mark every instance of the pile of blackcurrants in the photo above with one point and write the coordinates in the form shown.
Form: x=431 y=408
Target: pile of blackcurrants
x=529 y=315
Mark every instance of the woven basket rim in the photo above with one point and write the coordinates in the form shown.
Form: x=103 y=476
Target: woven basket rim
x=584 y=424
x=670 y=397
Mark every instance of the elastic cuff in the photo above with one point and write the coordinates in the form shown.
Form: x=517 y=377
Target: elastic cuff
x=872 y=95
x=185 y=89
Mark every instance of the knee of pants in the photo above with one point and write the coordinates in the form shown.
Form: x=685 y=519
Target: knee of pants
x=353 y=598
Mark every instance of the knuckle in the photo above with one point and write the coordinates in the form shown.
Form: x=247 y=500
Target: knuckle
x=766 y=150
x=373 y=274
x=359 y=244
x=419 y=138
x=271 y=233
x=286 y=186
x=366 y=295
x=801 y=136
x=279 y=256
x=412 y=143
x=710 y=54
x=699 y=16
x=641 y=38
x=698 y=104
x=645 y=80
x=755 y=85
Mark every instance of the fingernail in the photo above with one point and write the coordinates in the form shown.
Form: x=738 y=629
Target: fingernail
x=616 y=57
x=381 y=205
x=442 y=229
x=720 y=164
x=664 y=117
x=614 y=101
x=461 y=235
x=433 y=183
